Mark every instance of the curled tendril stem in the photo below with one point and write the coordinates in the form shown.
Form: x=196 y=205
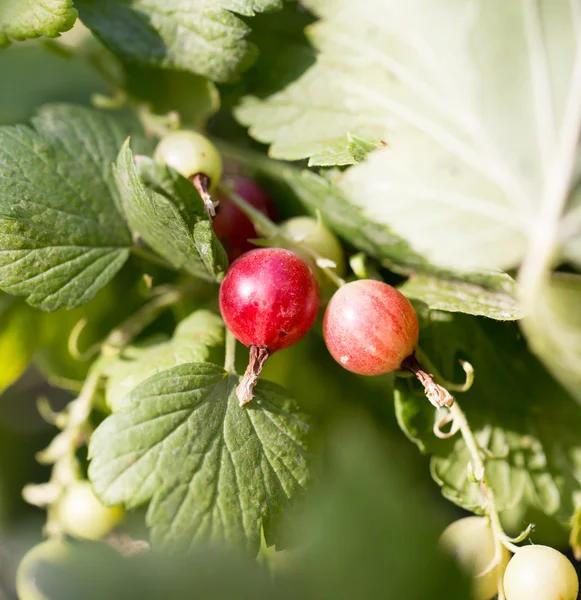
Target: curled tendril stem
x=73 y=343
x=61 y=452
x=443 y=420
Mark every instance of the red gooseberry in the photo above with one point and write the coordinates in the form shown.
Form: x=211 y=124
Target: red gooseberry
x=370 y=328
x=269 y=300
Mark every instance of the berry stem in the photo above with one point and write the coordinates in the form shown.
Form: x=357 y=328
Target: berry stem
x=202 y=184
x=438 y=395
x=61 y=452
x=257 y=359
x=230 y=357
x=478 y=463
x=489 y=504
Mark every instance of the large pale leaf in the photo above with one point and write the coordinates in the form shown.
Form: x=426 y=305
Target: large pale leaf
x=191 y=342
x=554 y=329
x=206 y=38
x=471 y=99
x=25 y=19
x=61 y=236
x=211 y=468
x=528 y=423
x=165 y=209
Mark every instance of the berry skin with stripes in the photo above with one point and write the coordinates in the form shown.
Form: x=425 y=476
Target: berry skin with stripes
x=370 y=328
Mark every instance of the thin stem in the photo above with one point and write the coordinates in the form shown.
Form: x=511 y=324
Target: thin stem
x=477 y=454
x=230 y=358
x=328 y=271
x=136 y=323
x=62 y=449
x=490 y=508
x=424 y=359
x=262 y=223
x=258 y=357
x=268 y=229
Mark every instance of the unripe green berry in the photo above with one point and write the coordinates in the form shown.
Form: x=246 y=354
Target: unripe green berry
x=312 y=234
x=190 y=153
x=471 y=542
x=82 y=515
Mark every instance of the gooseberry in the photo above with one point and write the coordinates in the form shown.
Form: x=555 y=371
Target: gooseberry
x=312 y=234
x=232 y=227
x=82 y=515
x=540 y=573
x=269 y=300
x=370 y=328
x=194 y=157
x=471 y=542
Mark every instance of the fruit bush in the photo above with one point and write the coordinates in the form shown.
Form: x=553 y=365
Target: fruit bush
x=249 y=251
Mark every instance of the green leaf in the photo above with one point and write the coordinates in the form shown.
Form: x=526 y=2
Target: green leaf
x=517 y=411
x=166 y=211
x=473 y=150
x=203 y=38
x=368 y=512
x=61 y=237
x=307 y=119
x=491 y=295
x=25 y=19
x=20 y=336
x=190 y=343
x=553 y=328
x=212 y=469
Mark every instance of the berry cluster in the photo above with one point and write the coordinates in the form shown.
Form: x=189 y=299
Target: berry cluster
x=269 y=300
x=270 y=297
